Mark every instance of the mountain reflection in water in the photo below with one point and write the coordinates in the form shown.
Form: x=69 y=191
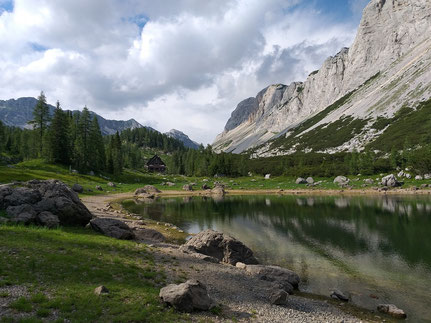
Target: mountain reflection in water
x=379 y=246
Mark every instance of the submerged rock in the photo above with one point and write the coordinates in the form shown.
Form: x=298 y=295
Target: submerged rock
x=187 y=297
x=391 y=310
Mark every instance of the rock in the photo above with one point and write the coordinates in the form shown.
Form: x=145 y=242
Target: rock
x=427 y=176
x=391 y=310
x=146 y=196
x=275 y=274
x=336 y=294
x=24 y=214
x=22 y=195
x=147 y=189
x=424 y=186
x=204 y=257
x=149 y=234
x=268 y=176
x=101 y=290
x=91 y=173
x=77 y=188
x=401 y=174
x=390 y=181
x=220 y=246
x=300 y=180
x=240 y=265
x=341 y=180
x=368 y=181
x=419 y=178
x=408 y=176
x=279 y=297
x=186 y=297
x=310 y=180
x=205 y=187
x=47 y=219
x=170 y=184
x=218 y=190
x=187 y=188
x=110 y=184
x=112 y=228
x=99 y=188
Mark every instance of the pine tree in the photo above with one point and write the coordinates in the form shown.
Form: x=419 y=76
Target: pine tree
x=96 y=145
x=117 y=154
x=58 y=137
x=82 y=142
x=2 y=136
x=41 y=119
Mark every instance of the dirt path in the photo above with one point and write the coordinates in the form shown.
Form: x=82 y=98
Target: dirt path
x=242 y=297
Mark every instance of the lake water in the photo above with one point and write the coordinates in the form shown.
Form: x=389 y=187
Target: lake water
x=376 y=249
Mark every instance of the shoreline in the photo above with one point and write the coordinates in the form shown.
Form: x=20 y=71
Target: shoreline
x=170 y=249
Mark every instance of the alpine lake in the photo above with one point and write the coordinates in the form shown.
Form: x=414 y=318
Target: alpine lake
x=376 y=249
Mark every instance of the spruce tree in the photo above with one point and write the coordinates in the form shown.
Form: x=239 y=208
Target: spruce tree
x=97 y=148
x=58 y=137
x=41 y=119
x=82 y=142
x=117 y=154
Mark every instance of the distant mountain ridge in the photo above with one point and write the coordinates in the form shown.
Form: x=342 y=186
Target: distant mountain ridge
x=18 y=112
x=176 y=134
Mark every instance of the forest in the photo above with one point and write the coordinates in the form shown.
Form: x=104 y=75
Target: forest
x=74 y=139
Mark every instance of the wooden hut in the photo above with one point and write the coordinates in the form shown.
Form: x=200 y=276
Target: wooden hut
x=156 y=164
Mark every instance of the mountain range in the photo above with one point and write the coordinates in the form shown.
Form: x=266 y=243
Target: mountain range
x=18 y=112
x=360 y=98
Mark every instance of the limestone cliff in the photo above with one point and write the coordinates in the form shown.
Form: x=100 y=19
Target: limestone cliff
x=387 y=66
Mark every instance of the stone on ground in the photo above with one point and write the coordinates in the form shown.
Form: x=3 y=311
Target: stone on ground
x=113 y=228
x=279 y=297
x=77 y=188
x=390 y=181
x=300 y=180
x=391 y=310
x=279 y=275
x=187 y=297
x=336 y=294
x=101 y=290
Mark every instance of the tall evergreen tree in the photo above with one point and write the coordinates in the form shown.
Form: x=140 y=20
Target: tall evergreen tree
x=58 y=137
x=117 y=155
x=97 y=148
x=82 y=142
x=41 y=118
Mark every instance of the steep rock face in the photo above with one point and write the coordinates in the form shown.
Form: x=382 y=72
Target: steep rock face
x=392 y=36
x=181 y=136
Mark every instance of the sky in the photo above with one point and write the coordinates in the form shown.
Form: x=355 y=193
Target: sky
x=182 y=64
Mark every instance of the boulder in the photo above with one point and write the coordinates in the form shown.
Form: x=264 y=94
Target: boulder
x=218 y=190
x=151 y=189
x=408 y=176
x=146 y=196
x=392 y=310
x=110 y=184
x=99 y=188
x=47 y=219
x=77 y=188
x=149 y=234
x=186 y=297
x=401 y=174
x=205 y=187
x=170 y=184
x=310 y=180
x=279 y=297
x=336 y=294
x=427 y=176
x=368 y=181
x=38 y=196
x=24 y=214
x=112 y=228
x=220 y=246
x=268 y=176
x=300 y=180
x=419 y=178
x=390 y=181
x=279 y=275
x=341 y=180
x=187 y=188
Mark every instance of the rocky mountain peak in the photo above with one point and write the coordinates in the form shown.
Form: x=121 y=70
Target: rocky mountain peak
x=181 y=136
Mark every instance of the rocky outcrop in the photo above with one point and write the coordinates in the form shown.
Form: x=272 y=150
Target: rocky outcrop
x=187 y=297
x=49 y=203
x=181 y=136
x=113 y=228
x=384 y=69
x=341 y=180
x=220 y=246
x=390 y=181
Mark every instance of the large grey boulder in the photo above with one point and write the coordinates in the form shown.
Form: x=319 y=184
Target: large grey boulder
x=22 y=195
x=151 y=189
x=392 y=310
x=23 y=214
x=390 y=181
x=310 y=180
x=47 y=219
x=187 y=297
x=300 y=180
x=149 y=234
x=341 y=180
x=113 y=228
x=278 y=275
x=188 y=188
x=218 y=190
x=220 y=246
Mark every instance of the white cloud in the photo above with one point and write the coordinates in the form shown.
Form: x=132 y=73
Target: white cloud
x=187 y=68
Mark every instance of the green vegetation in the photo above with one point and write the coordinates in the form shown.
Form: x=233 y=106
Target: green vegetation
x=45 y=263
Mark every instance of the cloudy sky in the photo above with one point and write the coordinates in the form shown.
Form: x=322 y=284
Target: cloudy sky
x=181 y=64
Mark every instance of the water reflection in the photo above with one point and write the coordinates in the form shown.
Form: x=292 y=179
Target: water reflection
x=365 y=246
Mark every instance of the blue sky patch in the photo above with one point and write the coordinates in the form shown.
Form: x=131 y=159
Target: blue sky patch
x=38 y=47
x=6 y=5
